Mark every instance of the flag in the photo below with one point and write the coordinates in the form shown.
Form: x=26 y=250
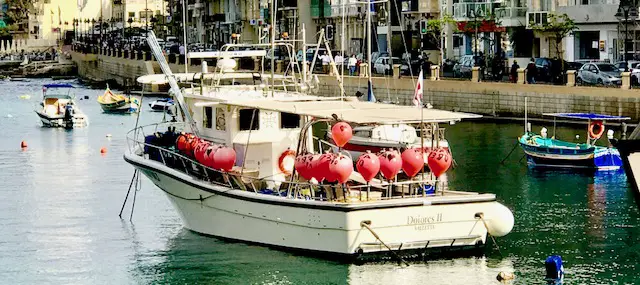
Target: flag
x=417 y=96
x=370 y=96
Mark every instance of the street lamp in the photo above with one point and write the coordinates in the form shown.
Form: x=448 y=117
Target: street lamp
x=627 y=10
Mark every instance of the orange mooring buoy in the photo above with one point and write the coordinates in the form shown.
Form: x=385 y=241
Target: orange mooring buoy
x=103 y=150
x=23 y=144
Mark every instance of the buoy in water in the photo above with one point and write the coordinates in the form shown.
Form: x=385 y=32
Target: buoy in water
x=103 y=150
x=108 y=135
x=23 y=144
x=504 y=276
x=554 y=268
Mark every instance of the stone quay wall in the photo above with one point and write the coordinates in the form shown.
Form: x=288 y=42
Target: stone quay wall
x=495 y=99
x=486 y=98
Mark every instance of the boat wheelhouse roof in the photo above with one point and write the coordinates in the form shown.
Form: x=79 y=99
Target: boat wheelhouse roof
x=356 y=111
x=58 y=85
x=162 y=79
x=587 y=116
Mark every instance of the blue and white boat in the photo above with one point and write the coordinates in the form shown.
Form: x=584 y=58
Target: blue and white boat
x=542 y=151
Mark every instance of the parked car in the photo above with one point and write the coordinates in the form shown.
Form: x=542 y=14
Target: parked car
x=599 y=73
x=622 y=65
x=463 y=66
x=572 y=65
x=635 y=73
x=381 y=65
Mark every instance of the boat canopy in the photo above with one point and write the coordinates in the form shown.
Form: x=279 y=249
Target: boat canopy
x=356 y=111
x=58 y=85
x=162 y=79
x=587 y=116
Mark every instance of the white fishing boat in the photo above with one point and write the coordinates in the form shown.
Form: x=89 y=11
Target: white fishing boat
x=58 y=108
x=229 y=172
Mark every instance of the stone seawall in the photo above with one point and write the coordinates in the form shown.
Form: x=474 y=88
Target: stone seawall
x=486 y=98
x=496 y=99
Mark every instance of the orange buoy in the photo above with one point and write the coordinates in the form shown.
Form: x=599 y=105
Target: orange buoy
x=103 y=150
x=23 y=144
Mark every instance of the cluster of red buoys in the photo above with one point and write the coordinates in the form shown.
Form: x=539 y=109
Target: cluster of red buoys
x=211 y=155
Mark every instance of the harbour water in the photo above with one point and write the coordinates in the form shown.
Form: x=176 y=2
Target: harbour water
x=60 y=200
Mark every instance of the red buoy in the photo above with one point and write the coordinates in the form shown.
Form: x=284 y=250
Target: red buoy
x=181 y=142
x=390 y=164
x=224 y=159
x=310 y=166
x=208 y=159
x=412 y=161
x=341 y=133
x=368 y=165
x=439 y=161
x=192 y=142
x=321 y=169
x=199 y=151
x=23 y=144
x=302 y=166
x=341 y=168
x=103 y=150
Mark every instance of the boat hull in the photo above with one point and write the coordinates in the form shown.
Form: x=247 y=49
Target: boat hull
x=630 y=153
x=544 y=152
x=313 y=226
x=77 y=121
x=120 y=107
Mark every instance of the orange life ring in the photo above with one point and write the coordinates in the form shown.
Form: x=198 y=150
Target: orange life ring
x=286 y=161
x=594 y=135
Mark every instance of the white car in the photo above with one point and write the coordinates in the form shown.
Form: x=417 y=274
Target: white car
x=635 y=72
x=381 y=65
x=599 y=74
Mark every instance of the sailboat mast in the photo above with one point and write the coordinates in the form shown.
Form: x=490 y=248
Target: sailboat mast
x=369 y=63
x=273 y=46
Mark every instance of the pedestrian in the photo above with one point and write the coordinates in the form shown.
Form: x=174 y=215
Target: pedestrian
x=514 y=71
x=339 y=60
x=426 y=65
x=352 y=65
x=532 y=71
x=182 y=52
x=325 y=62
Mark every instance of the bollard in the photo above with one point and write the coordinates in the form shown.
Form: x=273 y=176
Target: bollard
x=363 y=70
x=396 y=71
x=522 y=76
x=475 y=74
x=435 y=73
x=256 y=64
x=626 y=80
x=279 y=66
x=571 y=78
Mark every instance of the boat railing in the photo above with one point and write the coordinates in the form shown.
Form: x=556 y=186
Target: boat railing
x=247 y=180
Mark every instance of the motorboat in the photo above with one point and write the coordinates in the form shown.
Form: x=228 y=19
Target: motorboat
x=161 y=105
x=544 y=151
x=629 y=148
x=243 y=166
x=117 y=103
x=58 y=108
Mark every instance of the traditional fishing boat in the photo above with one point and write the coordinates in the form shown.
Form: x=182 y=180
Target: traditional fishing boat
x=59 y=109
x=544 y=151
x=256 y=165
x=629 y=149
x=117 y=103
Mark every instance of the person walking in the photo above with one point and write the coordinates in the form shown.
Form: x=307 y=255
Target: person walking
x=325 y=63
x=513 y=73
x=532 y=72
x=352 y=65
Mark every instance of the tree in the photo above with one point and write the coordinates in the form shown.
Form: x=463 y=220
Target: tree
x=559 y=27
x=436 y=26
x=18 y=12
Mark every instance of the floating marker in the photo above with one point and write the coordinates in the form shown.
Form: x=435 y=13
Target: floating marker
x=108 y=135
x=103 y=150
x=23 y=144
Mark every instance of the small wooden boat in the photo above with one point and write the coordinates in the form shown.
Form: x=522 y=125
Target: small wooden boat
x=542 y=151
x=116 y=103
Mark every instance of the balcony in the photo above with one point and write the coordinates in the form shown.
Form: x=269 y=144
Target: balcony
x=428 y=6
x=590 y=11
x=320 y=9
x=350 y=11
x=511 y=16
x=536 y=18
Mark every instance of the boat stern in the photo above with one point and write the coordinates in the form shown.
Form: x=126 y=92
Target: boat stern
x=607 y=158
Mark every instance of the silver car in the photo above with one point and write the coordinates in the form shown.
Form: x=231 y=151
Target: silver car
x=599 y=73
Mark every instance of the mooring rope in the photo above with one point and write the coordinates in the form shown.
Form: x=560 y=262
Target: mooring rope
x=481 y=216
x=400 y=259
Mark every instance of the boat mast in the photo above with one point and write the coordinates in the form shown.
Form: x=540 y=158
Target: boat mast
x=273 y=46
x=184 y=33
x=369 y=63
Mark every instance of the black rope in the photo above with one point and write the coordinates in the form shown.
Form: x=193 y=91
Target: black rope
x=188 y=199
x=512 y=149
x=127 y=197
x=135 y=193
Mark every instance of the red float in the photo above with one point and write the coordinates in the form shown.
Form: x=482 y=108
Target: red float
x=368 y=165
x=322 y=167
x=439 y=161
x=209 y=155
x=311 y=167
x=341 y=133
x=181 y=142
x=390 y=164
x=199 y=151
x=341 y=168
x=224 y=159
x=412 y=161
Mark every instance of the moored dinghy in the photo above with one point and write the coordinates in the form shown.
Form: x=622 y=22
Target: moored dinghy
x=58 y=108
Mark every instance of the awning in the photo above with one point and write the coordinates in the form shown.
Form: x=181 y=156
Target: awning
x=587 y=116
x=484 y=26
x=356 y=111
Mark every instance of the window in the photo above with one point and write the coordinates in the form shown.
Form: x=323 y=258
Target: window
x=208 y=117
x=289 y=121
x=245 y=119
x=132 y=14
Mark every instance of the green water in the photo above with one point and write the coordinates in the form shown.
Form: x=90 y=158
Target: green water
x=60 y=200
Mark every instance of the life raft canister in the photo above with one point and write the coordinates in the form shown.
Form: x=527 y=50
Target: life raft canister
x=287 y=161
x=600 y=130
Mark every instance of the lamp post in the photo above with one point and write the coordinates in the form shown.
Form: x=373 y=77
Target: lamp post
x=626 y=10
